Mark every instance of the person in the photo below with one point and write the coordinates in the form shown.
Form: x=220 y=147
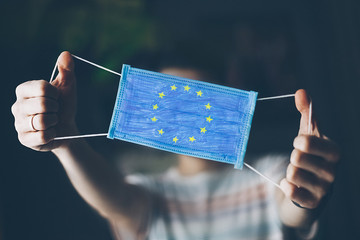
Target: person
x=197 y=199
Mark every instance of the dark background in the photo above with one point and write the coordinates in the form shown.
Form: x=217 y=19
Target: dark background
x=273 y=47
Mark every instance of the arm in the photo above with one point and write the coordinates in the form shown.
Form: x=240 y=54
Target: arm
x=101 y=185
x=310 y=173
x=43 y=111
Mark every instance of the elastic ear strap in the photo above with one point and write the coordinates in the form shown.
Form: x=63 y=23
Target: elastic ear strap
x=310 y=119
x=81 y=136
x=276 y=97
x=53 y=72
x=262 y=175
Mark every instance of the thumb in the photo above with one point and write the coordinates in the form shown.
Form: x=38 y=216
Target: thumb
x=65 y=82
x=66 y=76
x=302 y=102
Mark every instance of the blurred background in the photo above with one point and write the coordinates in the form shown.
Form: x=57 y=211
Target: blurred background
x=273 y=47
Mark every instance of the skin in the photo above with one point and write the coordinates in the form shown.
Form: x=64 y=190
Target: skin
x=50 y=110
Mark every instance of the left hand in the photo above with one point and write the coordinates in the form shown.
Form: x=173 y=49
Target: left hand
x=311 y=171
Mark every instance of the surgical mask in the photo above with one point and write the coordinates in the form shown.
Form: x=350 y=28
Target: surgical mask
x=183 y=116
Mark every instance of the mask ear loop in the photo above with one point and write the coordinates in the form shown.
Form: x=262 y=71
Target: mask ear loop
x=262 y=175
x=310 y=118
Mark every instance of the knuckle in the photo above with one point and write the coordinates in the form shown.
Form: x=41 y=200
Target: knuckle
x=322 y=192
x=331 y=178
x=328 y=175
x=293 y=193
x=17 y=126
x=14 y=108
x=39 y=122
x=335 y=156
x=326 y=171
x=295 y=157
x=42 y=137
x=292 y=173
x=43 y=86
x=19 y=88
x=312 y=203
x=43 y=105
x=319 y=193
x=301 y=142
x=307 y=143
x=21 y=139
x=46 y=136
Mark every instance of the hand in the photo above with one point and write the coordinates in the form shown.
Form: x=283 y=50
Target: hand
x=45 y=110
x=312 y=163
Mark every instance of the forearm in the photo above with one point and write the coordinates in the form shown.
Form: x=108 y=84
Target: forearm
x=100 y=184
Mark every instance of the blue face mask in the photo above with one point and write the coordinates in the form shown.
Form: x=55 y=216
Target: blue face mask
x=183 y=116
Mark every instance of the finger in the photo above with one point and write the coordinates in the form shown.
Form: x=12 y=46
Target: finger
x=44 y=121
x=299 y=195
x=37 y=122
x=36 y=88
x=302 y=102
x=316 y=165
x=66 y=76
x=304 y=179
x=33 y=139
x=324 y=148
x=32 y=106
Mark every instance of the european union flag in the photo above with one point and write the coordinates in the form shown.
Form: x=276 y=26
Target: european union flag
x=183 y=116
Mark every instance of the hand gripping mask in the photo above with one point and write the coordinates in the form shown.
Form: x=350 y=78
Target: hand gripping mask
x=183 y=116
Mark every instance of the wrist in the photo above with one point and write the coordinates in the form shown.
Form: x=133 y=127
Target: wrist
x=74 y=151
x=293 y=216
x=65 y=145
x=308 y=232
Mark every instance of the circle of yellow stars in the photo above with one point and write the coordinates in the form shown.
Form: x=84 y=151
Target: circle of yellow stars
x=199 y=93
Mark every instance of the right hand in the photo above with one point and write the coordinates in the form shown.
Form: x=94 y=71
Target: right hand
x=45 y=110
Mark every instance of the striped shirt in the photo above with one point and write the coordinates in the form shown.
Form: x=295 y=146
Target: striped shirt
x=227 y=204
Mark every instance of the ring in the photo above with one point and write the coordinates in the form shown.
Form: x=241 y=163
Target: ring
x=32 y=123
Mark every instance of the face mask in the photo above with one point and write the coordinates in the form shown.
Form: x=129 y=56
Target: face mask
x=183 y=116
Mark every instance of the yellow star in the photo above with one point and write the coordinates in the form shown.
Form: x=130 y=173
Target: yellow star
x=208 y=106
x=161 y=95
x=199 y=93
x=161 y=132
x=203 y=130
x=155 y=106
x=209 y=119
x=175 y=139
x=154 y=119
x=187 y=88
x=191 y=139
x=173 y=87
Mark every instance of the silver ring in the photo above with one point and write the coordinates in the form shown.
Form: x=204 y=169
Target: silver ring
x=32 y=123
